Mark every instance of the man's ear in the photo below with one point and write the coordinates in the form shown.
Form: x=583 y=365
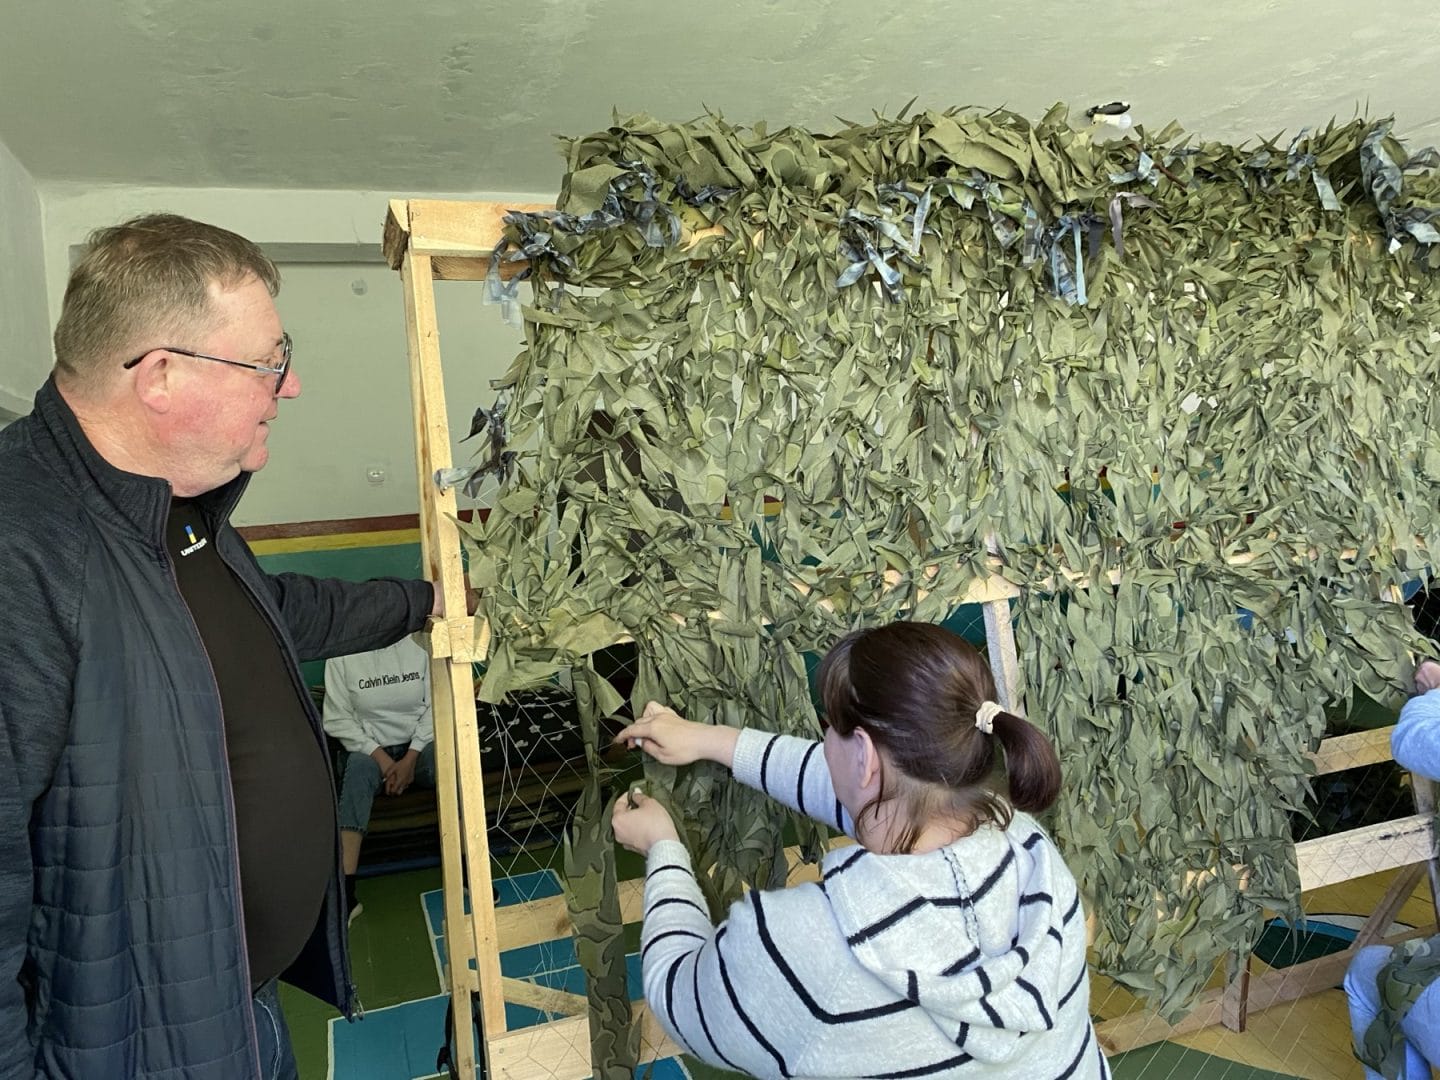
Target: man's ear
x=152 y=380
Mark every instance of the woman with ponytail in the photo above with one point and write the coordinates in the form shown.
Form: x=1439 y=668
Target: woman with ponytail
x=949 y=942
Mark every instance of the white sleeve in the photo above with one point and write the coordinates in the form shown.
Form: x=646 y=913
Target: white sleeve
x=341 y=721
x=425 y=725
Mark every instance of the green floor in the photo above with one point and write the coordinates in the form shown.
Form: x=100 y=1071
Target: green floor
x=1174 y=1062
x=392 y=962
x=391 y=959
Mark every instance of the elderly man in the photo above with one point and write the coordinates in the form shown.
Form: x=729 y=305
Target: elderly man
x=168 y=844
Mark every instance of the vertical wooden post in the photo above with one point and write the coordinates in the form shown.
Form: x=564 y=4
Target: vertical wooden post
x=1000 y=639
x=459 y=783
x=1235 y=1004
x=1004 y=660
x=1425 y=804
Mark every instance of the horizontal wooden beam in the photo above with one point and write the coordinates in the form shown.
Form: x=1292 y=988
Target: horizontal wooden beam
x=1352 y=751
x=544 y=998
x=1370 y=849
x=460 y=236
x=448 y=228
x=546 y=919
x=1273 y=987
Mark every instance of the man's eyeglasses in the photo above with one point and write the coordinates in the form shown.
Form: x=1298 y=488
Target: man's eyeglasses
x=279 y=372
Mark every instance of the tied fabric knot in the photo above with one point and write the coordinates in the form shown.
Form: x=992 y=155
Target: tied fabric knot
x=985 y=716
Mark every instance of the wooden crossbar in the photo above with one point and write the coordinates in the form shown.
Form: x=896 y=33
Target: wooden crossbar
x=429 y=240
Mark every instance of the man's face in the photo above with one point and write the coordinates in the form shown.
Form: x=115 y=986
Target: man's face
x=223 y=415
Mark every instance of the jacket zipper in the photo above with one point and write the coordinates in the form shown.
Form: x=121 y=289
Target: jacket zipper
x=230 y=818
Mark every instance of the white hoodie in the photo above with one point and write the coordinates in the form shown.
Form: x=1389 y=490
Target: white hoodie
x=380 y=698
x=968 y=961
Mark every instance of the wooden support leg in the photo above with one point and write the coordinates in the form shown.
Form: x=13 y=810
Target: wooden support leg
x=1235 y=1005
x=459 y=782
x=459 y=940
x=1425 y=804
x=1378 y=924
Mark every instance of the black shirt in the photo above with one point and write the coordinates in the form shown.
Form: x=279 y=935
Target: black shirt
x=284 y=808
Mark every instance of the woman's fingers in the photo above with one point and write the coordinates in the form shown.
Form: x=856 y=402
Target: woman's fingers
x=636 y=736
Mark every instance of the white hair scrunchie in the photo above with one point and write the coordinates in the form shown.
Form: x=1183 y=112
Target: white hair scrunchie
x=985 y=716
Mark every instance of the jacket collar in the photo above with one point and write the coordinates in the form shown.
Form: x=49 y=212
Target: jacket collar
x=138 y=504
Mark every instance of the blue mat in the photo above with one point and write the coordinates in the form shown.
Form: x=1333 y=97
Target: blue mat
x=400 y=1042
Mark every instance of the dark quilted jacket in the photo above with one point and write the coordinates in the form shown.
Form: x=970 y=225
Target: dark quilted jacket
x=122 y=951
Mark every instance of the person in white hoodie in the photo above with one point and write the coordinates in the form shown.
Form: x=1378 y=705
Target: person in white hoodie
x=949 y=942
x=378 y=707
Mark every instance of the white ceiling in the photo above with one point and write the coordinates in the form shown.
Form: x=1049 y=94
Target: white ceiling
x=443 y=95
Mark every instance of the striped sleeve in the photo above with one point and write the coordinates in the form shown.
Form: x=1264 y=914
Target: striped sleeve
x=791 y=771
x=687 y=970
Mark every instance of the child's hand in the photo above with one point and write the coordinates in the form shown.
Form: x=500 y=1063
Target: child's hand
x=640 y=822
x=1427 y=676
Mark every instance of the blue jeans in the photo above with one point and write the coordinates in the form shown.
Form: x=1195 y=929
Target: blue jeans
x=1422 y=1023
x=362 y=782
x=277 y=1058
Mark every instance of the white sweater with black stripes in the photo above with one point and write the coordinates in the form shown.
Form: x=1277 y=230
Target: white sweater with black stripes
x=968 y=961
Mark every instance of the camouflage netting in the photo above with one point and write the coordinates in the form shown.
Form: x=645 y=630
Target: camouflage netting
x=1210 y=369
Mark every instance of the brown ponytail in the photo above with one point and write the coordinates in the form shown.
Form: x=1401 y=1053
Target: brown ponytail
x=1032 y=768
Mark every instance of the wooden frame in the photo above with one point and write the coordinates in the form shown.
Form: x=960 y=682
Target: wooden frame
x=426 y=240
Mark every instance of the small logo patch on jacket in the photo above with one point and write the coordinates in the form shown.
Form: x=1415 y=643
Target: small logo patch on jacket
x=195 y=545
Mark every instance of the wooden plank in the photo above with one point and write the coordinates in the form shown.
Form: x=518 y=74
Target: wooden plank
x=441 y=540
x=478 y=885
x=452 y=686
x=470 y=230
x=1235 y=999
x=461 y=971
x=1380 y=920
x=560 y=1050
x=1004 y=660
x=463 y=268
x=1352 y=751
x=544 y=998
x=461 y=236
x=543 y=920
x=1424 y=789
x=459 y=936
x=1270 y=988
x=1385 y=845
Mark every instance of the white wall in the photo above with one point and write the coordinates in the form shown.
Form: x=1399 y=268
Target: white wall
x=347 y=319
x=25 y=355
x=354 y=410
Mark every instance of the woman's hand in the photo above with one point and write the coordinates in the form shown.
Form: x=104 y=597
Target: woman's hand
x=1427 y=676
x=640 y=822
x=672 y=740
